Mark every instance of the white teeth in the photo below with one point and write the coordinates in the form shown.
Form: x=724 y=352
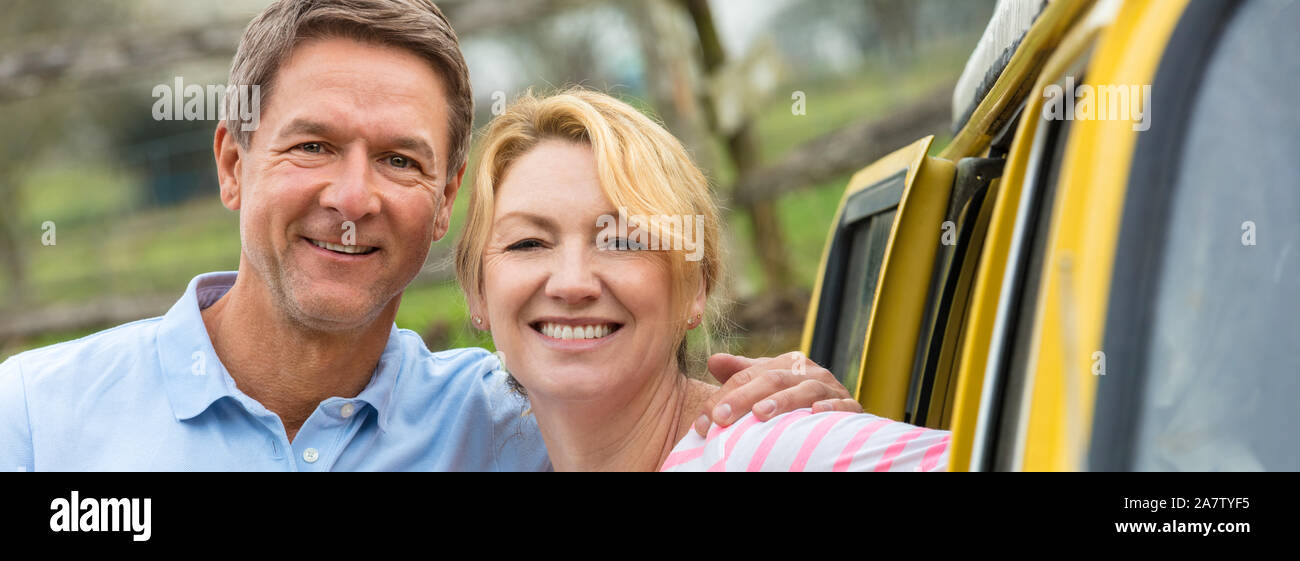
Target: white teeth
x=560 y=331
x=352 y=249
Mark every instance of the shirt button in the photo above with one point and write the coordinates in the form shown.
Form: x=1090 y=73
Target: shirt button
x=309 y=455
x=347 y=410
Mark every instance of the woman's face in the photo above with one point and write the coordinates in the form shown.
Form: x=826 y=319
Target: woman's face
x=576 y=322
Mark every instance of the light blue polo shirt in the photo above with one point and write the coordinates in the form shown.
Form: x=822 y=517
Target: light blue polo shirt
x=152 y=395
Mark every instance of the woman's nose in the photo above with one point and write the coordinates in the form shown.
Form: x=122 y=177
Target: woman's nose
x=351 y=192
x=573 y=278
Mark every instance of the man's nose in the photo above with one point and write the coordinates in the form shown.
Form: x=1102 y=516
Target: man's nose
x=573 y=277
x=352 y=192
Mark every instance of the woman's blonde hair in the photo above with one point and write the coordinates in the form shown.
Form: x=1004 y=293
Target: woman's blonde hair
x=641 y=167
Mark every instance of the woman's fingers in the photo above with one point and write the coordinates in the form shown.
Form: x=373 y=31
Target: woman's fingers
x=845 y=404
x=723 y=366
x=802 y=394
x=712 y=411
x=814 y=371
x=770 y=387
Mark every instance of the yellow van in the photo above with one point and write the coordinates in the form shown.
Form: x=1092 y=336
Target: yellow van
x=1102 y=270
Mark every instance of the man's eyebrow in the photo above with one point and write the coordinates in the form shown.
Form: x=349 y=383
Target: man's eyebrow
x=306 y=126
x=419 y=146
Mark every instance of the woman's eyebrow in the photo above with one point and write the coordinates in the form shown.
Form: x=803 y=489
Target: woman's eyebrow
x=532 y=218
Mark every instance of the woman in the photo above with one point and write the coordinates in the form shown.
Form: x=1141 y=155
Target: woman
x=590 y=249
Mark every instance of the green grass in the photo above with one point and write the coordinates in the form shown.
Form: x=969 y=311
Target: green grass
x=440 y=307
x=71 y=196
x=141 y=253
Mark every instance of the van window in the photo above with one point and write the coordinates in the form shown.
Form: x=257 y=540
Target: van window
x=1223 y=357
x=1202 y=338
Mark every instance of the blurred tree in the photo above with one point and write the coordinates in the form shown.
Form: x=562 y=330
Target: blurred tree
x=33 y=126
x=28 y=20
x=893 y=30
x=560 y=47
x=895 y=21
x=902 y=28
x=743 y=152
x=667 y=37
x=471 y=16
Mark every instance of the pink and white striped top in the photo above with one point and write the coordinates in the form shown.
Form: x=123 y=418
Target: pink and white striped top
x=802 y=441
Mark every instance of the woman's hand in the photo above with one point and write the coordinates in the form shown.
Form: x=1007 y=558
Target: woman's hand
x=770 y=387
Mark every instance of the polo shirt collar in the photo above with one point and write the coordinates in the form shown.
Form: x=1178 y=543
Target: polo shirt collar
x=379 y=392
x=194 y=378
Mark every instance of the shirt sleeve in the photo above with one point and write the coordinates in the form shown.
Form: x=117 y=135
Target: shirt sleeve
x=15 y=430
x=802 y=441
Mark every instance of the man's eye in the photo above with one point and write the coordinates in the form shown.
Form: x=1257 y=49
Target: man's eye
x=401 y=162
x=310 y=147
x=524 y=244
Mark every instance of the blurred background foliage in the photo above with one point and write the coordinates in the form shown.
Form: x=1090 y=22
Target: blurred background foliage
x=133 y=200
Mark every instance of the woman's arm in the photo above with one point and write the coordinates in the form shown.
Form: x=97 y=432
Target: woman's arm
x=804 y=441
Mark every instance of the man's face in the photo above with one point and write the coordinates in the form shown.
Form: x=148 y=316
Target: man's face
x=344 y=187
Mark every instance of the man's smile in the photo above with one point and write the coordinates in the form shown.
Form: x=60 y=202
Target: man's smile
x=340 y=249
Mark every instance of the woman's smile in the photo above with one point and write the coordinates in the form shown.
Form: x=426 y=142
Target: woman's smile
x=579 y=334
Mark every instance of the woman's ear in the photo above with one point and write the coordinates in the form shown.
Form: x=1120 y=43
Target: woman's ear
x=478 y=312
x=698 y=304
x=226 y=151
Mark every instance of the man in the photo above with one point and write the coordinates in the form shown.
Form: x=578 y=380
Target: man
x=293 y=362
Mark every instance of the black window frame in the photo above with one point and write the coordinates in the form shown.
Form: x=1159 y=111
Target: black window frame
x=860 y=211
x=968 y=201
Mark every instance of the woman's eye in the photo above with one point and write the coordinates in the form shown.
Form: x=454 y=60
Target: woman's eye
x=624 y=244
x=524 y=244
